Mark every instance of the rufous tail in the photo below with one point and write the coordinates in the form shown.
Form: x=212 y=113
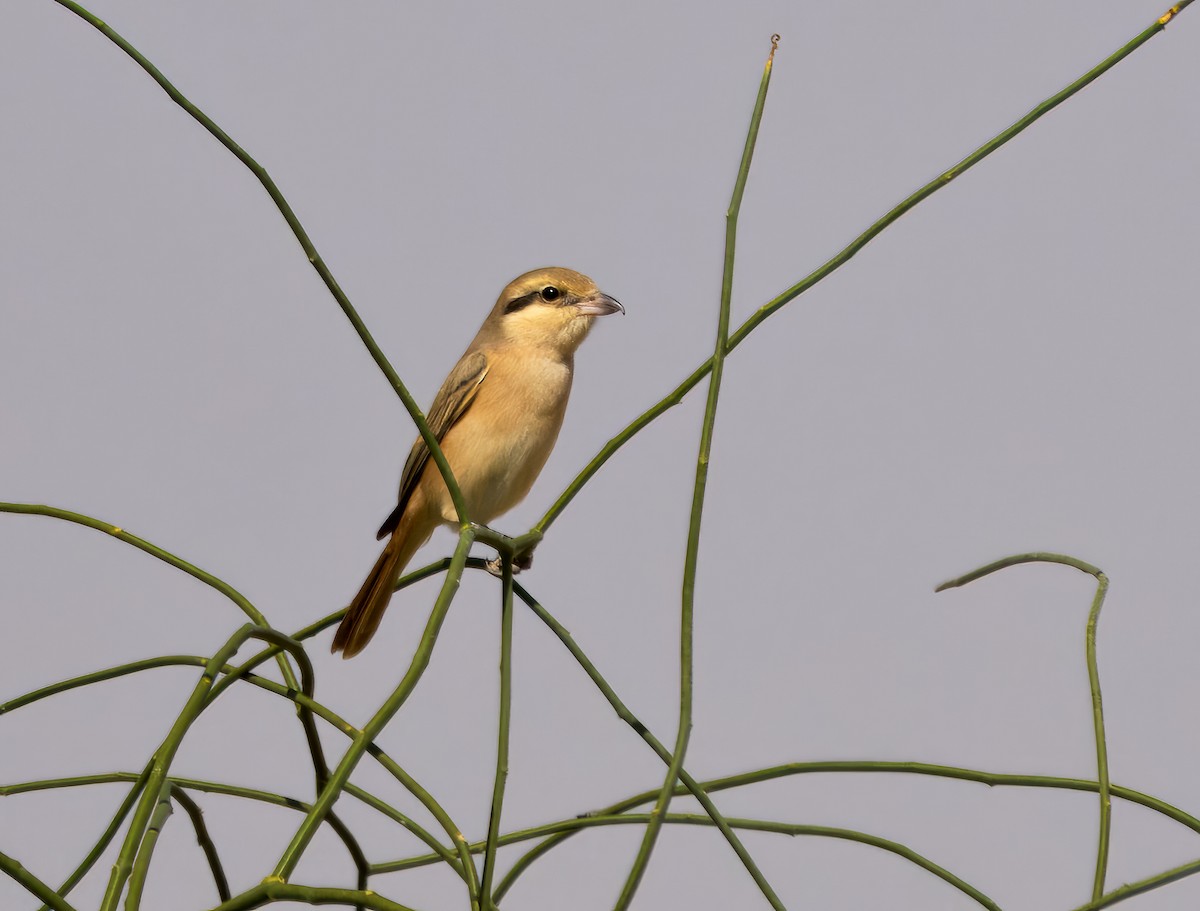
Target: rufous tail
x=366 y=610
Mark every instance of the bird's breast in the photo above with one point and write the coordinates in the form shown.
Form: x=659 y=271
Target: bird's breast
x=498 y=448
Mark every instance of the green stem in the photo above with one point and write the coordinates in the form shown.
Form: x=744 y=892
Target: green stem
x=505 y=714
x=1105 y=790
x=109 y=673
x=203 y=839
x=420 y=661
x=306 y=244
x=141 y=865
x=1129 y=890
x=845 y=255
x=691 y=557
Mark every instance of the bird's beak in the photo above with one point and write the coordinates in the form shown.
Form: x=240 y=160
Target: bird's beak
x=599 y=304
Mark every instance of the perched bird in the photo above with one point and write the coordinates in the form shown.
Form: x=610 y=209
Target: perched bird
x=496 y=418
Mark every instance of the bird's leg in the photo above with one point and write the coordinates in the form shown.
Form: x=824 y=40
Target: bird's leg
x=519 y=550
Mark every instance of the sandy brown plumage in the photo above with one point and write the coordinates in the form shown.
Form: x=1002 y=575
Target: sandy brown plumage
x=496 y=417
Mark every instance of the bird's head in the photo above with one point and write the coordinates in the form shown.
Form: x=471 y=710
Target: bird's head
x=551 y=307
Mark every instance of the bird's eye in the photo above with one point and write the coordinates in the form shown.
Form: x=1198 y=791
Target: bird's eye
x=550 y=293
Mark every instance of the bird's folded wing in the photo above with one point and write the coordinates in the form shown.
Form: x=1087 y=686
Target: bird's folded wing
x=450 y=404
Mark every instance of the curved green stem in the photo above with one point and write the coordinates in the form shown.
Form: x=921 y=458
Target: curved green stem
x=1129 y=890
x=1093 y=682
x=203 y=839
x=108 y=673
x=13 y=869
x=306 y=244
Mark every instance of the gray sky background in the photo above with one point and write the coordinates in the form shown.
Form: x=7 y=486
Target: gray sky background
x=1011 y=367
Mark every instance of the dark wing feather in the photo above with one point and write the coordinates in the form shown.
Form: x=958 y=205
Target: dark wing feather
x=450 y=404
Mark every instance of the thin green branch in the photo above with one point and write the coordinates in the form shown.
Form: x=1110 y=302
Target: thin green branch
x=991 y=779
x=623 y=712
x=13 y=869
x=691 y=558
x=362 y=739
x=1105 y=826
x=203 y=839
x=1129 y=890
x=505 y=715
x=108 y=673
x=1018 y=560
x=845 y=255
x=1045 y=107
x=306 y=244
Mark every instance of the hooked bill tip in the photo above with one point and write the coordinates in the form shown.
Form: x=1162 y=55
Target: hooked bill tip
x=599 y=304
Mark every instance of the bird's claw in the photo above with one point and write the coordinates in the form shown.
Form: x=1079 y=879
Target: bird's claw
x=495 y=566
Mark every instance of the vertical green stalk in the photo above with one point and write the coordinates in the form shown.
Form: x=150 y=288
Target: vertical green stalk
x=141 y=866
x=1101 y=740
x=693 y=543
x=420 y=661
x=493 y=833
x=1104 y=788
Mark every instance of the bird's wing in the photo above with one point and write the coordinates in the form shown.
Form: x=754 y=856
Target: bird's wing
x=450 y=404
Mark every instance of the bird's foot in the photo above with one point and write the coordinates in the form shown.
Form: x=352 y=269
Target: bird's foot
x=519 y=549
x=495 y=566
